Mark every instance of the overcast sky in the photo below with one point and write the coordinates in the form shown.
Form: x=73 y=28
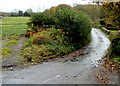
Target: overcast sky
x=36 y=5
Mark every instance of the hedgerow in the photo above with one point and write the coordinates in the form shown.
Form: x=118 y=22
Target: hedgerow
x=63 y=31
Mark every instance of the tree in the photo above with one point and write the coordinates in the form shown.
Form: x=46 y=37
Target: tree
x=20 y=13
x=111 y=13
x=14 y=14
x=28 y=12
x=93 y=11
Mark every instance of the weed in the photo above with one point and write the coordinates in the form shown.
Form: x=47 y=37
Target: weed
x=44 y=45
x=117 y=59
x=5 y=52
x=11 y=43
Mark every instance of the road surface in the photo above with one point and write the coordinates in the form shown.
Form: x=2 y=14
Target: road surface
x=79 y=71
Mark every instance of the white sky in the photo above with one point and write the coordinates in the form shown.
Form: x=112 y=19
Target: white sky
x=36 y=5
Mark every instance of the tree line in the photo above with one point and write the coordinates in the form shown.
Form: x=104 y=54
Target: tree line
x=17 y=13
x=21 y=13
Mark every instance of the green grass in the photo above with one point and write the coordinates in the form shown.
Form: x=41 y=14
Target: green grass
x=15 y=20
x=14 y=25
x=114 y=30
x=14 y=29
x=5 y=52
x=11 y=43
x=11 y=28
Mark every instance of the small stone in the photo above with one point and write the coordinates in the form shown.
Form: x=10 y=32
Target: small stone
x=75 y=76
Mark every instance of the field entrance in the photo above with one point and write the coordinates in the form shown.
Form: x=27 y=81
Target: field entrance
x=12 y=28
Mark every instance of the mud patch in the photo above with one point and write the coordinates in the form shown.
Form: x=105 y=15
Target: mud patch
x=13 y=59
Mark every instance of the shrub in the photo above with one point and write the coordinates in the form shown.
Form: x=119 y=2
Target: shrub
x=44 y=19
x=41 y=38
x=69 y=30
x=28 y=42
x=51 y=46
x=116 y=46
x=37 y=19
x=49 y=19
x=5 y=52
x=76 y=25
x=102 y=22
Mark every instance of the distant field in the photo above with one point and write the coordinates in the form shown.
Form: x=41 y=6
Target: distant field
x=14 y=25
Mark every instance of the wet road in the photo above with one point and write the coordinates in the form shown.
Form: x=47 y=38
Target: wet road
x=61 y=72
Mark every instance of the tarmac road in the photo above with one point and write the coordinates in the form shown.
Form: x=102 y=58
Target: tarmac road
x=79 y=71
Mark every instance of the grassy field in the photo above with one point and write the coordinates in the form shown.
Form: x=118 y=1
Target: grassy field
x=14 y=25
x=15 y=20
x=11 y=28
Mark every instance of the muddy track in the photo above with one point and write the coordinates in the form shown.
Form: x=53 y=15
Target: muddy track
x=12 y=60
x=79 y=70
